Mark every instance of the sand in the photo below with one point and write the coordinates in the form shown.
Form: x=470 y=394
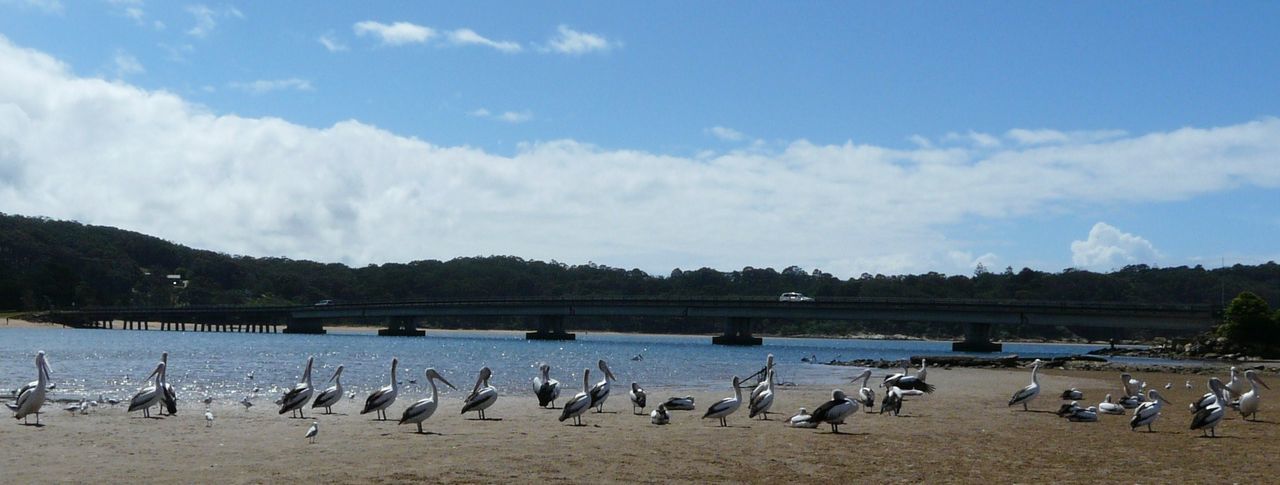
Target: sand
x=962 y=433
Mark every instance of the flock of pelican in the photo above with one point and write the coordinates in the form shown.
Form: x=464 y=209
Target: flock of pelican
x=1207 y=412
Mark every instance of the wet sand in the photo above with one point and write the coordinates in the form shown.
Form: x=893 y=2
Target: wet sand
x=962 y=433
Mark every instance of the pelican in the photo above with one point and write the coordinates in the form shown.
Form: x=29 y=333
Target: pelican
x=834 y=411
x=892 y=379
x=170 y=399
x=1132 y=387
x=760 y=403
x=1108 y=407
x=600 y=391
x=32 y=398
x=724 y=407
x=546 y=388
x=764 y=373
x=892 y=402
x=1208 y=418
x=419 y=411
x=151 y=395
x=1130 y=402
x=382 y=398
x=679 y=403
x=910 y=382
x=1235 y=385
x=1214 y=396
x=1029 y=393
x=111 y=400
x=1068 y=409
x=1072 y=394
x=208 y=417
x=923 y=372
x=1250 y=401
x=246 y=402
x=1084 y=415
x=1147 y=412
x=482 y=396
x=866 y=395
x=576 y=406
x=801 y=419
x=638 y=398
x=659 y=415
x=297 y=397
x=332 y=395
x=313 y=431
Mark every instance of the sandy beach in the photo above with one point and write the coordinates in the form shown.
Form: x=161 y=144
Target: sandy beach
x=962 y=433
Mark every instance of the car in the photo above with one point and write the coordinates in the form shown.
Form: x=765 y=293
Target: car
x=793 y=296
x=324 y=303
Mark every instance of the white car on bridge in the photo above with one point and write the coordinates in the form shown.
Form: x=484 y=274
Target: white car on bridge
x=793 y=296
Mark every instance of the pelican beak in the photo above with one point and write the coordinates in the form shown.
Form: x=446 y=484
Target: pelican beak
x=445 y=382
x=1259 y=381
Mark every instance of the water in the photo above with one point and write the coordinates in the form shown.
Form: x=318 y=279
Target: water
x=87 y=363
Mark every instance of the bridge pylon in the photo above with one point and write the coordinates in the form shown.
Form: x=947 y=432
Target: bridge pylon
x=402 y=327
x=550 y=327
x=977 y=338
x=737 y=331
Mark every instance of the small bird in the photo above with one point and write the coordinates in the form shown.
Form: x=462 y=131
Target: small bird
x=74 y=407
x=247 y=403
x=1168 y=385
x=1188 y=384
x=659 y=415
x=208 y=400
x=313 y=431
x=208 y=417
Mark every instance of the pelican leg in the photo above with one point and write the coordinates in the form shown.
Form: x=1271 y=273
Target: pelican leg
x=1024 y=407
x=419 y=427
x=1149 y=430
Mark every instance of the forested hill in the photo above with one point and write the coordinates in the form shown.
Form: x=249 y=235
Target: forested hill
x=46 y=264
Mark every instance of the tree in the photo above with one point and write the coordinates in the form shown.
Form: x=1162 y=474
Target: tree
x=1248 y=322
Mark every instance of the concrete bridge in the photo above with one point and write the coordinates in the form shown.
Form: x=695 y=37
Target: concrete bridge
x=551 y=316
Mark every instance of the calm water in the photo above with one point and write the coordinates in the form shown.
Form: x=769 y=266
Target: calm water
x=114 y=362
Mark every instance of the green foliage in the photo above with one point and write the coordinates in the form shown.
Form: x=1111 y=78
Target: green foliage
x=1248 y=322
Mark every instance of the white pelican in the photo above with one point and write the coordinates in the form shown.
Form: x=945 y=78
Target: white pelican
x=659 y=415
x=1072 y=394
x=1084 y=415
x=546 y=388
x=1212 y=397
x=297 y=397
x=760 y=403
x=170 y=399
x=151 y=395
x=910 y=382
x=419 y=411
x=1208 y=419
x=1130 y=402
x=1132 y=387
x=32 y=398
x=580 y=402
x=764 y=374
x=638 y=398
x=482 y=395
x=1108 y=407
x=332 y=395
x=892 y=402
x=1067 y=409
x=1250 y=401
x=923 y=372
x=801 y=419
x=679 y=403
x=1148 y=411
x=313 y=431
x=724 y=407
x=1029 y=393
x=866 y=395
x=382 y=398
x=891 y=380
x=1235 y=385
x=600 y=391
x=834 y=411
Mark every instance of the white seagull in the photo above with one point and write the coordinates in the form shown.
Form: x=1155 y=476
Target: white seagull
x=1250 y=401
x=151 y=395
x=313 y=431
x=724 y=407
x=579 y=403
x=419 y=411
x=1029 y=393
x=31 y=398
x=600 y=391
x=332 y=395
x=208 y=417
x=382 y=398
x=545 y=388
x=638 y=399
x=296 y=399
x=1147 y=412
x=482 y=395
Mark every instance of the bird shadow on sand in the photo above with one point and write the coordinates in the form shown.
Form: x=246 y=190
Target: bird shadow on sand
x=846 y=433
x=34 y=425
x=1218 y=437
x=485 y=419
x=427 y=433
x=1055 y=413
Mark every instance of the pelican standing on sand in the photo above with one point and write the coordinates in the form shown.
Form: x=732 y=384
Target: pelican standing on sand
x=332 y=395
x=170 y=399
x=866 y=395
x=764 y=375
x=546 y=388
x=419 y=411
x=151 y=395
x=482 y=395
x=296 y=398
x=724 y=407
x=1029 y=393
x=579 y=403
x=1252 y=400
x=638 y=399
x=31 y=398
x=1209 y=398
x=1208 y=419
x=760 y=403
x=600 y=391
x=659 y=415
x=1147 y=412
x=382 y=398
x=834 y=411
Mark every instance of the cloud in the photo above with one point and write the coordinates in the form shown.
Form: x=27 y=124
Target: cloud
x=726 y=134
x=399 y=33
x=46 y=6
x=1045 y=137
x=332 y=43
x=572 y=42
x=512 y=117
x=178 y=52
x=982 y=140
x=206 y=19
x=125 y=64
x=470 y=37
x=267 y=85
x=1109 y=248
x=110 y=153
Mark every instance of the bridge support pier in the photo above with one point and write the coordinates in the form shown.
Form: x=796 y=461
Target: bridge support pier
x=550 y=327
x=402 y=327
x=309 y=326
x=977 y=338
x=737 y=331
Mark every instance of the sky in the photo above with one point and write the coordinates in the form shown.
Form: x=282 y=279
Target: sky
x=847 y=137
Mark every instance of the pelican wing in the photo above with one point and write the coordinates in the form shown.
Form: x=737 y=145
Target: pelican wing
x=418 y=411
x=143 y=399
x=327 y=397
x=914 y=383
x=376 y=400
x=295 y=398
x=761 y=403
x=170 y=399
x=477 y=400
x=1207 y=417
x=599 y=392
x=546 y=393
x=721 y=406
x=1024 y=394
x=579 y=403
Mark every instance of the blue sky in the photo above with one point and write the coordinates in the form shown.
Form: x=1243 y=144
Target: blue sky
x=850 y=137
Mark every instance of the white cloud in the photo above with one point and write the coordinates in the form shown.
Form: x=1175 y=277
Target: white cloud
x=978 y=139
x=1045 y=136
x=470 y=37
x=480 y=113
x=399 y=33
x=179 y=52
x=512 y=117
x=726 y=134
x=355 y=193
x=125 y=64
x=572 y=42
x=1109 y=248
x=47 y=6
x=267 y=85
x=332 y=43
x=206 y=19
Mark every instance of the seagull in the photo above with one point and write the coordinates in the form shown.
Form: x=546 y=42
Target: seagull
x=659 y=415
x=73 y=408
x=313 y=431
x=208 y=417
x=1188 y=384
x=1168 y=385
